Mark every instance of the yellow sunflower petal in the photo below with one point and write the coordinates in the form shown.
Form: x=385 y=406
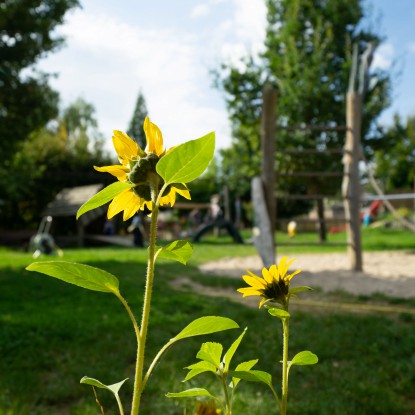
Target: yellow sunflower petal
x=154 y=137
x=126 y=147
x=133 y=205
x=252 y=274
x=283 y=265
x=267 y=276
x=119 y=171
x=120 y=202
x=273 y=270
x=183 y=192
x=293 y=274
x=257 y=283
x=261 y=303
x=248 y=291
x=168 y=199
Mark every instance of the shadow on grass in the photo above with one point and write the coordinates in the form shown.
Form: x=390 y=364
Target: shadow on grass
x=52 y=334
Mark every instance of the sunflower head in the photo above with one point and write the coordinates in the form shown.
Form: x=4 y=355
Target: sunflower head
x=207 y=408
x=273 y=286
x=138 y=168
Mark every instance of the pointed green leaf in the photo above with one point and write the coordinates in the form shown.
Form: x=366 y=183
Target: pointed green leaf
x=252 y=376
x=115 y=388
x=198 y=368
x=190 y=393
x=179 y=251
x=102 y=197
x=303 y=358
x=295 y=290
x=187 y=161
x=278 y=312
x=206 y=325
x=84 y=276
x=211 y=352
x=244 y=366
x=231 y=351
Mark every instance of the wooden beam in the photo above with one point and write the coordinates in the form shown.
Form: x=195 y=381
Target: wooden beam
x=351 y=180
x=268 y=138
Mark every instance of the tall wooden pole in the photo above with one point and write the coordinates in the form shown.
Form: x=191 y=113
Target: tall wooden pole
x=351 y=179
x=268 y=126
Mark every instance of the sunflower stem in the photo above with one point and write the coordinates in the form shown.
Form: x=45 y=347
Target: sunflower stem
x=228 y=405
x=138 y=382
x=285 y=327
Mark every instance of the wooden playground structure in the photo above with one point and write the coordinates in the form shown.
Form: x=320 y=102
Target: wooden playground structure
x=263 y=187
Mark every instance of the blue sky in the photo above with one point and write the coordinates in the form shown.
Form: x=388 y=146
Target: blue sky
x=167 y=49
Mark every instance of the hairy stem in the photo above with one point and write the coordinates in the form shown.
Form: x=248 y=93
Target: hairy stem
x=138 y=383
x=228 y=407
x=285 y=325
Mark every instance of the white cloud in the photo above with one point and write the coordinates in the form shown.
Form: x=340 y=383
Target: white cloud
x=243 y=33
x=411 y=47
x=201 y=9
x=107 y=61
x=383 y=57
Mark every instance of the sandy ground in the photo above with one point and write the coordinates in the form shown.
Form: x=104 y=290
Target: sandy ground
x=390 y=273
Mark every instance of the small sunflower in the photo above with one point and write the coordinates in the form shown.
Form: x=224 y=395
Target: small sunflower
x=138 y=168
x=207 y=408
x=273 y=286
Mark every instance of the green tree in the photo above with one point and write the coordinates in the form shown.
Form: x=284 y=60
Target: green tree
x=395 y=163
x=135 y=128
x=54 y=157
x=307 y=56
x=27 y=34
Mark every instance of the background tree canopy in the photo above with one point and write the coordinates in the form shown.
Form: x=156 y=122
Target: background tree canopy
x=54 y=157
x=395 y=163
x=135 y=128
x=27 y=34
x=307 y=56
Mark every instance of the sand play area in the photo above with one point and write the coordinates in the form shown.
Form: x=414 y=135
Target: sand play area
x=391 y=273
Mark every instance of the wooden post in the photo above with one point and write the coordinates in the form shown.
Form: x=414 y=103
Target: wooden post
x=263 y=187
x=351 y=180
x=268 y=126
x=322 y=229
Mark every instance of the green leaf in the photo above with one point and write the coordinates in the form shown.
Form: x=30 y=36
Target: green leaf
x=295 y=290
x=231 y=351
x=199 y=367
x=303 y=358
x=190 y=393
x=253 y=376
x=206 y=325
x=102 y=197
x=187 y=161
x=244 y=366
x=278 y=312
x=115 y=388
x=179 y=251
x=84 y=276
x=210 y=352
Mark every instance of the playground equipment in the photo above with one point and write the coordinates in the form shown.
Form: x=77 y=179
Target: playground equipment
x=43 y=243
x=265 y=202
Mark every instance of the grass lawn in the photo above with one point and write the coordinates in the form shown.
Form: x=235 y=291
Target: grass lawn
x=52 y=334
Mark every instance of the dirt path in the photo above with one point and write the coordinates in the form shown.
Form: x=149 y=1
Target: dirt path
x=391 y=273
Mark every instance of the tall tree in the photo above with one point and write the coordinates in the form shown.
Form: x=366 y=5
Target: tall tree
x=27 y=34
x=135 y=129
x=307 y=56
x=54 y=157
x=395 y=164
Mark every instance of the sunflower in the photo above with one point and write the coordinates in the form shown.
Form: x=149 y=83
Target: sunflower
x=207 y=408
x=273 y=286
x=138 y=167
